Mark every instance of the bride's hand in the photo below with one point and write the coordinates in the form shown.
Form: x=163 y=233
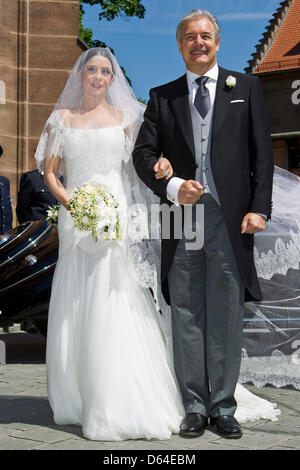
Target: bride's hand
x=66 y=205
x=163 y=169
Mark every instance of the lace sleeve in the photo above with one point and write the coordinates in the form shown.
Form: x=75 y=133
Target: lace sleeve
x=128 y=124
x=128 y=119
x=50 y=143
x=128 y=149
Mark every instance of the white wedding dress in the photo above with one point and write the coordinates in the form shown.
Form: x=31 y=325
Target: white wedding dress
x=108 y=369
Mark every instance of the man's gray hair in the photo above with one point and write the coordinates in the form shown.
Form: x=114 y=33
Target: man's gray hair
x=198 y=13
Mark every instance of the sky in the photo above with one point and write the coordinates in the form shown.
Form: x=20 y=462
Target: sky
x=147 y=48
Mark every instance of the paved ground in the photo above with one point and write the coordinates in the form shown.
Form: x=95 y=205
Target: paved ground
x=26 y=418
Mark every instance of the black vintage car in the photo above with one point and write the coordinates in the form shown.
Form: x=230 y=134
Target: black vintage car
x=28 y=255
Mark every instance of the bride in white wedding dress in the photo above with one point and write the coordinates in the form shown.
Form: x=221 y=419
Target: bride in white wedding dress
x=109 y=369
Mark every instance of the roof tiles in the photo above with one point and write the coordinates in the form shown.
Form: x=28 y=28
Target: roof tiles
x=280 y=48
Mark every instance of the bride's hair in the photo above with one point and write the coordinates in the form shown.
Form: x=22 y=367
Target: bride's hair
x=101 y=52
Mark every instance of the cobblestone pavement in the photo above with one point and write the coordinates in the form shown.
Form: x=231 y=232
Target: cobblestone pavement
x=26 y=418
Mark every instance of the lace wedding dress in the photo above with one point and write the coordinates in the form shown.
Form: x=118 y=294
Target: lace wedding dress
x=108 y=367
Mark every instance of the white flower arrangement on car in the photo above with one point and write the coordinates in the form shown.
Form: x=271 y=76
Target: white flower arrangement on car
x=52 y=214
x=96 y=210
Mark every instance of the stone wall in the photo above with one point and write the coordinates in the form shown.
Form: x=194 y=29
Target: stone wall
x=39 y=45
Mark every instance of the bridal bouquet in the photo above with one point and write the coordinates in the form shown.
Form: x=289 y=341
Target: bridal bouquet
x=95 y=209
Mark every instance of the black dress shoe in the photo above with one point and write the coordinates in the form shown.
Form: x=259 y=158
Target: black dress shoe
x=226 y=426
x=193 y=425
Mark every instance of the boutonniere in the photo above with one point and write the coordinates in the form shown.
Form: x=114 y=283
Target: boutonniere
x=231 y=81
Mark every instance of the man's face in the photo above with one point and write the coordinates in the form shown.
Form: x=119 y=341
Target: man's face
x=198 y=45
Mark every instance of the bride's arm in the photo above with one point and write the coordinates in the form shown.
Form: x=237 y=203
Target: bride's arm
x=53 y=182
x=163 y=169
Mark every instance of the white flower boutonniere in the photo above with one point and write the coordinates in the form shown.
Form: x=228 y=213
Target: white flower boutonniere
x=231 y=81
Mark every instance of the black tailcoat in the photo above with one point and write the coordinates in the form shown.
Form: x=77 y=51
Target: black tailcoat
x=241 y=158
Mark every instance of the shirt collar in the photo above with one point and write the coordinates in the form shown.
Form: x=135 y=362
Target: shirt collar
x=213 y=74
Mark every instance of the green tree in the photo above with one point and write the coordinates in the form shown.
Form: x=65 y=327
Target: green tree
x=110 y=9
x=87 y=33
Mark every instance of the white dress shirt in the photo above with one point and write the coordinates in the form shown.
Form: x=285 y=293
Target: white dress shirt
x=211 y=84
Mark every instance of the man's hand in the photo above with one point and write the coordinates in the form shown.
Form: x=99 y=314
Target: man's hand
x=163 y=169
x=190 y=192
x=253 y=223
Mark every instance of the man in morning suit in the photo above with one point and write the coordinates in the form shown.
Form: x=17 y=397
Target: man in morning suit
x=212 y=124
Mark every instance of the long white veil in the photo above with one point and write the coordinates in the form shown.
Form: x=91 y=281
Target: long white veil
x=271 y=351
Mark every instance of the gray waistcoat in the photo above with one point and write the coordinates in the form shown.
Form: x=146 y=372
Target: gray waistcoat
x=202 y=140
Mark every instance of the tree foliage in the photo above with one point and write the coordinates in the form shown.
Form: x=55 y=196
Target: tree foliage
x=87 y=33
x=110 y=9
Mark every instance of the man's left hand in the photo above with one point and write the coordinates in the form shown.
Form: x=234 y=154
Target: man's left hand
x=253 y=223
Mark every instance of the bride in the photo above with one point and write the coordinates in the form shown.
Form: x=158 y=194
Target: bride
x=109 y=358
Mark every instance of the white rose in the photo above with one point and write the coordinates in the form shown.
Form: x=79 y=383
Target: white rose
x=85 y=220
x=99 y=212
x=100 y=201
x=102 y=224
x=231 y=81
x=109 y=212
